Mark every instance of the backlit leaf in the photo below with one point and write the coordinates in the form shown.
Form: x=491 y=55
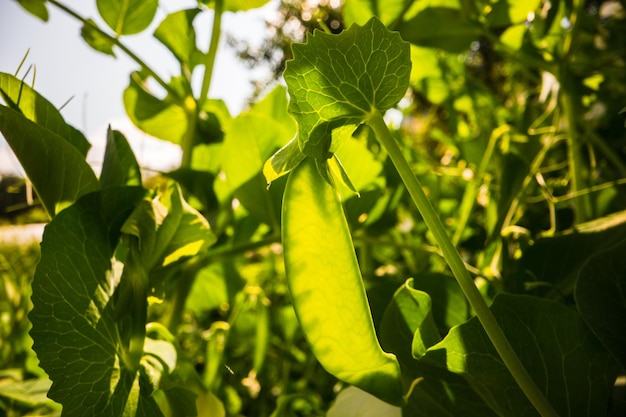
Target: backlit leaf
x=36 y=108
x=35 y=7
x=127 y=17
x=565 y=360
x=74 y=325
x=177 y=33
x=58 y=171
x=96 y=39
x=338 y=80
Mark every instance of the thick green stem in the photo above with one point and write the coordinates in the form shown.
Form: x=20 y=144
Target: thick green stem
x=487 y=319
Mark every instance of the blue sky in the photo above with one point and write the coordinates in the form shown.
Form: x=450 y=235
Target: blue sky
x=66 y=68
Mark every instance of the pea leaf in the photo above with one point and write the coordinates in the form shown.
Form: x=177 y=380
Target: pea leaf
x=119 y=167
x=127 y=17
x=22 y=98
x=564 y=359
x=601 y=298
x=96 y=39
x=339 y=80
x=58 y=170
x=73 y=317
x=176 y=32
x=359 y=11
x=35 y=7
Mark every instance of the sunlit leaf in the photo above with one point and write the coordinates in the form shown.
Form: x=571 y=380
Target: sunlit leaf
x=96 y=39
x=36 y=108
x=161 y=118
x=127 y=17
x=58 y=170
x=74 y=325
x=565 y=360
x=338 y=80
x=360 y=11
x=36 y=8
x=177 y=33
x=440 y=27
x=119 y=166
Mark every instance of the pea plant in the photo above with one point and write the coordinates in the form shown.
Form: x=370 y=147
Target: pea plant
x=465 y=261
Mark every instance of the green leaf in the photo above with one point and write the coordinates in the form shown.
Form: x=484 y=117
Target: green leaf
x=360 y=11
x=338 y=80
x=58 y=171
x=96 y=39
x=253 y=136
x=73 y=317
x=21 y=97
x=406 y=329
x=567 y=363
x=127 y=17
x=177 y=33
x=440 y=27
x=119 y=166
x=168 y=229
x=327 y=289
x=164 y=119
x=36 y=8
x=450 y=307
x=511 y=12
x=283 y=161
x=601 y=298
x=409 y=314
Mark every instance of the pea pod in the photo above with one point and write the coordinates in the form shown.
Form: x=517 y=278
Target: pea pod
x=327 y=289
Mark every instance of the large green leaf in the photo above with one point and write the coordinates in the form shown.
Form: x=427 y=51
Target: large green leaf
x=565 y=360
x=33 y=106
x=339 y=80
x=553 y=263
x=408 y=328
x=127 y=17
x=73 y=315
x=168 y=229
x=601 y=298
x=164 y=119
x=119 y=167
x=58 y=170
x=177 y=33
x=96 y=39
x=250 y=140
x=327 y=289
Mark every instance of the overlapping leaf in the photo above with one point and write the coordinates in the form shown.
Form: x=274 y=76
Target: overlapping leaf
x=73 y=315
x=57 y=169
x=339 y=80
x=127 y=17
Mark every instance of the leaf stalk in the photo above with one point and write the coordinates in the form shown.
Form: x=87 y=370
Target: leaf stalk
x=432 y=220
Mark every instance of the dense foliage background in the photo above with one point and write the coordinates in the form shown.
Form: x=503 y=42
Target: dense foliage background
x=514 y=123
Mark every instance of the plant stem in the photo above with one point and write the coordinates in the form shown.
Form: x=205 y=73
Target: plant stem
x=119 y=44
x=486 y=318
x=209 y=61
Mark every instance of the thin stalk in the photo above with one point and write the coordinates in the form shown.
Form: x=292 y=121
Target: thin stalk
x=119 y=44
x=209 y=61
x=486 y=318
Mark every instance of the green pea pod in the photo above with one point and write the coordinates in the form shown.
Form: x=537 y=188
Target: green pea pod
x=327 y=289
